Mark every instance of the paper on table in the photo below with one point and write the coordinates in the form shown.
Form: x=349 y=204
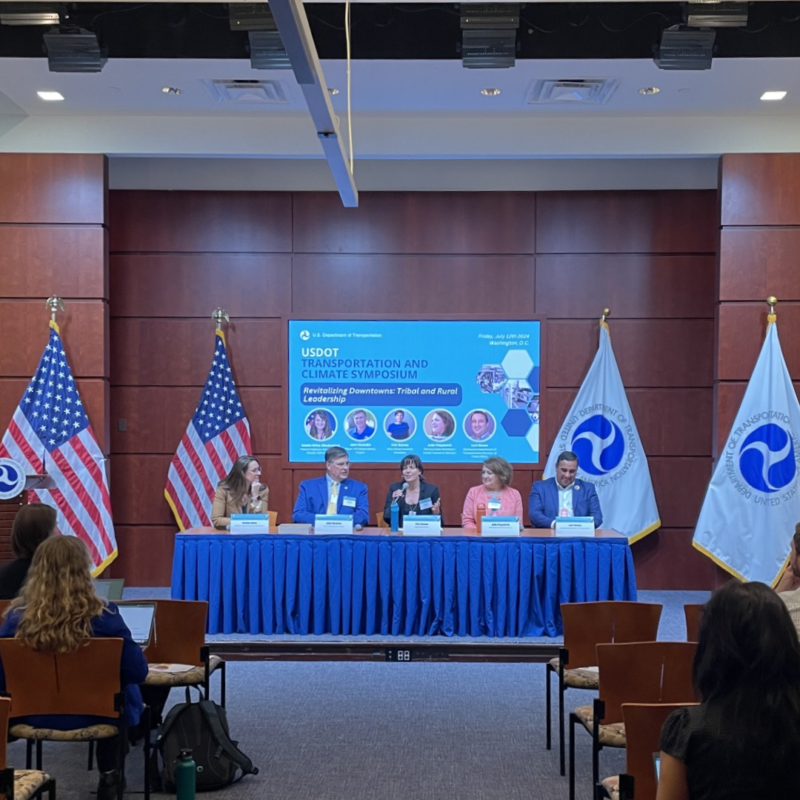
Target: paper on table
x=173 y=668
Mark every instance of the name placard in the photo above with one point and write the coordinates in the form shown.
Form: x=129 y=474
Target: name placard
x=422 y=525
x=333 y=523
x=574 y=526
x=500 y=526
x=250 y=523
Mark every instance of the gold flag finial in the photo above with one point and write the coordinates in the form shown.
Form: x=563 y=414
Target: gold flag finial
x=55 y=304
x=772 y=301
x=606 y=313
x=218 y=315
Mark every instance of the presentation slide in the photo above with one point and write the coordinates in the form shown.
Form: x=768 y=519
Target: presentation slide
x=449 y=391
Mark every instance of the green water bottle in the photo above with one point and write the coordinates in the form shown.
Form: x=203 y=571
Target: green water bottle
x=185 y=775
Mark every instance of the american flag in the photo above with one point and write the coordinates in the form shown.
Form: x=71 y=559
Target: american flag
x=50 y=433
x=217 y=435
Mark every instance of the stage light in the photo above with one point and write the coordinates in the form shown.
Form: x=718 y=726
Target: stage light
x=682 y=48
x=74 y=51
x=716 y=15
x=489 y=36
x=29 y=14
x=251 y=17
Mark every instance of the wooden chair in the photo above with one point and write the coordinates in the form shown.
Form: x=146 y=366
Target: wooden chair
x=179 y=637
x=638 y=672
x=585 y=625
x=380 y=521
x=643 y=723
x=18 y=784
x=273 y=521
x=693 y=613
x=85 y=682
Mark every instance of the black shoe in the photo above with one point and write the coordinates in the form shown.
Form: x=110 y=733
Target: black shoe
x=109 y=785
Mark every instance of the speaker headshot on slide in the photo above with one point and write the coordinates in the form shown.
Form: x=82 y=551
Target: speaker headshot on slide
x=360 y=424
x=439 y=425
x=479 y=425
x=398 y=424
x=320 y=425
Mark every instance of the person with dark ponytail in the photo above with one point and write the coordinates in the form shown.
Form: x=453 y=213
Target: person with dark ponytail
x=743 y=741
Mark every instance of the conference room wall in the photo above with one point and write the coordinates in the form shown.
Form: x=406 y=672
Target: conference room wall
x=175 y=256
x=53 y=242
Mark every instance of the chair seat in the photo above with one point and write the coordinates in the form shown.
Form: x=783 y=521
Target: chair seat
x=612 y=735
x=27 y=782
x=76 y=735
x=579 y=678
x=611 y=785
x=189 y=678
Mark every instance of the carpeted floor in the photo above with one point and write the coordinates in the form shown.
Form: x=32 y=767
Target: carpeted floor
x=387 y=731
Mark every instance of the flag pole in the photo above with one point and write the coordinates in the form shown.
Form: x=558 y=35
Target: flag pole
x=772 y=301
x=55 y=304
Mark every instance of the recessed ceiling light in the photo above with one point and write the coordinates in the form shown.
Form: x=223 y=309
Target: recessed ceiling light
x=773 y=95
x=172 y=90
x=333 y=92
x=50 y=95
x=649 y=90
x=491 y=92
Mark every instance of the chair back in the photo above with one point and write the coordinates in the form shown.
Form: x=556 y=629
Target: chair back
x=380 y=521
x=643 y=723
x=84 y=682
x=5 y=713
x=693 y=613
x=273 y=521
x=644 y=672
x=588 y=624
x=179 y=632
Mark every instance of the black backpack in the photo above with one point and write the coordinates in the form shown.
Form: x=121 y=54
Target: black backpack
x=203 y=728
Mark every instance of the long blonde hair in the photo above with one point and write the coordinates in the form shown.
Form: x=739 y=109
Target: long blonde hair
x=58 y=601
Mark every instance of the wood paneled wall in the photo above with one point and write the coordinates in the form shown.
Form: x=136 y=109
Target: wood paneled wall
x=650 y=256
x=53 y=241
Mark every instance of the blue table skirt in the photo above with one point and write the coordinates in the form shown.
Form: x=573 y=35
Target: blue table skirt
x=395 y=586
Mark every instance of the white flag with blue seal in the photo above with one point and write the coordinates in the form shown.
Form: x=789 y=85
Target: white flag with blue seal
x=601 y=431
x=753 y=501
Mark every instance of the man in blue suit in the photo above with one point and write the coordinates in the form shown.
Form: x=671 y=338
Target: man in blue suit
x=334 y=493
x=563 y=496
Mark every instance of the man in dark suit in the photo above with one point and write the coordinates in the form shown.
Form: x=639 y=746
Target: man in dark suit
x=563 y=496
x=334 y=493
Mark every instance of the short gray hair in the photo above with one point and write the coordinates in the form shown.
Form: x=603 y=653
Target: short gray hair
x=332 y=453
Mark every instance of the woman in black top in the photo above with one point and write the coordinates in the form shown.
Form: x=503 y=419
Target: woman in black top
x=414 y=495
x=33 y=524
x=743 y=741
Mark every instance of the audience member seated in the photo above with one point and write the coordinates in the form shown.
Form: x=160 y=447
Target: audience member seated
x=788 y=586
x=495 y=494
x=743 y=740
x=239 y=492
x=57 y=610
x=563 y=496
x=413 y=495
x=33 y=524
x=334 y=493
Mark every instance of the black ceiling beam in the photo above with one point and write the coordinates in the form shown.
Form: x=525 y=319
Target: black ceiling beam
x=414 y=32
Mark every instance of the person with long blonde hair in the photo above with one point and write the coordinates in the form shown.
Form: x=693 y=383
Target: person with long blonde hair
x=239 y=492
x=56 y=612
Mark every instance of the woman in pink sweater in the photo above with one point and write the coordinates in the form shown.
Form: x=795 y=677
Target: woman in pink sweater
x=494 y=493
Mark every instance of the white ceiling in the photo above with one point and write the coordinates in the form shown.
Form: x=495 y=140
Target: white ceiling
x=421 y=113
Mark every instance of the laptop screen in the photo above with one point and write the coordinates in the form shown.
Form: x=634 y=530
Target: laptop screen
x=109 y=588
x=139 y=618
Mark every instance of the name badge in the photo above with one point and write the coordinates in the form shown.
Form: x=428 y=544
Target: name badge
x=350 y=502
x=425 y=504
x=500 y=526
x=493 y=505
x=426 y=525
x=333 y=523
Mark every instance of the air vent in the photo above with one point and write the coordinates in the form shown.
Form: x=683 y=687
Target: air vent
x=573 y=91
x=249 y=93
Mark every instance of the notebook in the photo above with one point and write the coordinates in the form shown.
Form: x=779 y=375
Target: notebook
x=139 y=617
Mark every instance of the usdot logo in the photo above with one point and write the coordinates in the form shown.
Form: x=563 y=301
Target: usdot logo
x=305 y=335
x=604 y=439
x=599 y=445
x=762 y=458
x=12 y=478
